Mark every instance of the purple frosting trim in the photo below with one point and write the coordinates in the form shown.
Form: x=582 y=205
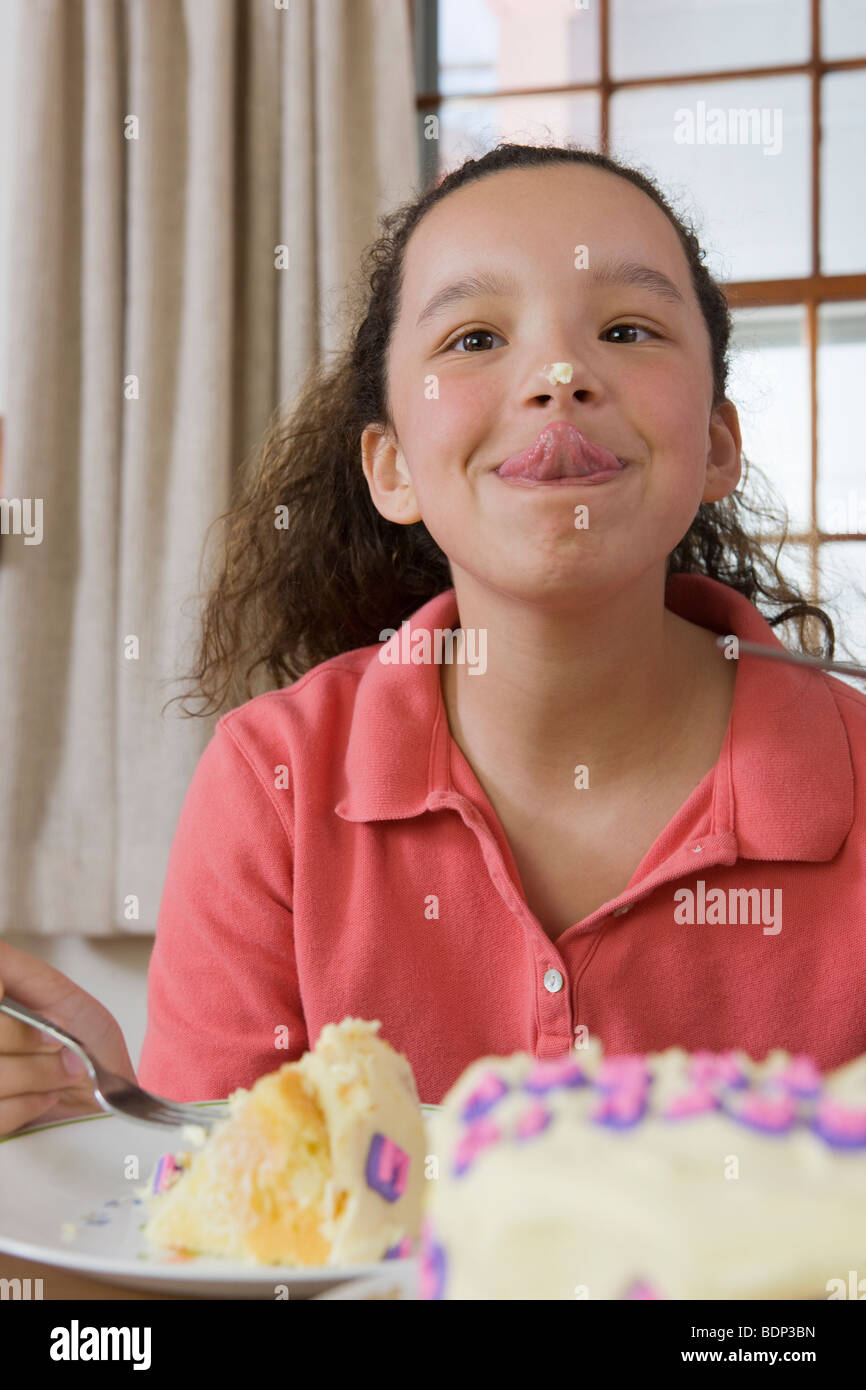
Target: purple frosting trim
x=771 y=1113
x=477 y=1136
x=839 y=1124
x=387 y=1168
x=401 y=1250
x=432 y=1264
x=547 y=1075
x=487 y=1093
x=793 y=1097
x=620 y=1109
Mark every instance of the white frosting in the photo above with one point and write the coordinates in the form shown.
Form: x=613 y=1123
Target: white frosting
x=582 y=1206
x=363 y=1089
x=196 y=1134
x=560 y=371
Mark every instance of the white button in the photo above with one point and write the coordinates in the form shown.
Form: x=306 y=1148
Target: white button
x=696 y=849
x=552 y=981
x=621 y=911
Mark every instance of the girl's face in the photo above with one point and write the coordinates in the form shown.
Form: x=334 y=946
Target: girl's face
x=466 y=387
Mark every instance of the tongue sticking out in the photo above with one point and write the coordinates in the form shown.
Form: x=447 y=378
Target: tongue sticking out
x=560 y=451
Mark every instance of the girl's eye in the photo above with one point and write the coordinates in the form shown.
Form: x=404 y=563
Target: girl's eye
x=631 y=327
x=480 y=336
x=477 y=333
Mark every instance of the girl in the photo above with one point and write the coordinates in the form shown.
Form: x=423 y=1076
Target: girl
x=604 y=824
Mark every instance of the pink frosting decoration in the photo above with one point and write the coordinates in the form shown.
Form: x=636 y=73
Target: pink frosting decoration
x=693 y=1102
x=620 y=1108
x=489 y=1090
x=555 y=1071
x=841 y=1124
x=401 y=1251
x=627 y=1070
x=387 y=1168
x=533 y=1120
x=801 y=1076
x=642 y=1288
x=707 y=1068
x=166 y=1171
x=477 y=1136
x=432 y=1270
x=776 y=1113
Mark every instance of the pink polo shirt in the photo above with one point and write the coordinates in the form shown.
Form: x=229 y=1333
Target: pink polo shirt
x=336 y=855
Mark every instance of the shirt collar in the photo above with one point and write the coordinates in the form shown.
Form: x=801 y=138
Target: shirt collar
x=786 y=760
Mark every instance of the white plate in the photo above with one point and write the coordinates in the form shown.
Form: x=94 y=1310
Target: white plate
x=85 y=1171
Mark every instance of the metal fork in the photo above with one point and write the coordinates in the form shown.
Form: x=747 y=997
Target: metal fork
x=114 y=1093
x=847 y=668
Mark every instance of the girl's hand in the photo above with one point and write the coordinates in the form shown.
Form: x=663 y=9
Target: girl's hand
x=34 y=1083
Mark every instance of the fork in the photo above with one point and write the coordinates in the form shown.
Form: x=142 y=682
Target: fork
x=847 y=668
x=115 y=1094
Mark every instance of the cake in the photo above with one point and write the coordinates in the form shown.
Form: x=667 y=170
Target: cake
x=669 y=1175
x=320 y=1163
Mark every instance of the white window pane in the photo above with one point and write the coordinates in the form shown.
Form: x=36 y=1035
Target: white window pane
x=843 y=593
x=467 y=46
x=749 y=195
x=795 y=565
x=843 y=192
x=468 y=129
x=769 y=384
x=649 y=37
x=495 y=45
x=841 y=448
x=843 y=29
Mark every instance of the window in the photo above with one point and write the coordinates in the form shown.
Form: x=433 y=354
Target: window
x=779 y=203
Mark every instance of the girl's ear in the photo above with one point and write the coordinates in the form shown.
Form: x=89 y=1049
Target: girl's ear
x=724 y=467
x=387 y=476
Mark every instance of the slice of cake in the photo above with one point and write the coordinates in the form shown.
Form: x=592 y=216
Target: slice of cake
x=671 y=1175
x=320 y=1163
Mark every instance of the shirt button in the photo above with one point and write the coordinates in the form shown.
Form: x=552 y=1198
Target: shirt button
x=553 y=981
x=621 y=911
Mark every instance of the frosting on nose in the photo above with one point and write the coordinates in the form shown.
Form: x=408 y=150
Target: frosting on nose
x=560 y=371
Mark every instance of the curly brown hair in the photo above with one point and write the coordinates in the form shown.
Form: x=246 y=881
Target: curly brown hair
x=309 y=568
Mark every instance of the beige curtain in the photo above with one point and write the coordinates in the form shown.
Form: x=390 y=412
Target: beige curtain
x=165 y=150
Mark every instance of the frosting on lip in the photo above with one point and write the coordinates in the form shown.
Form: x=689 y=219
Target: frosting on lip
x=560 y=451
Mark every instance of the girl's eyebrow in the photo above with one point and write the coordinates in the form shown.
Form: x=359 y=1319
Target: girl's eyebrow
x=488 y=282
